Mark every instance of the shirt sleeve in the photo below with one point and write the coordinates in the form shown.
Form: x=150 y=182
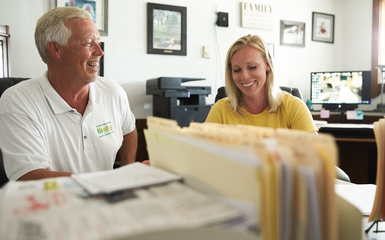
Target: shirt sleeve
x=24 y=148
x=300 y=117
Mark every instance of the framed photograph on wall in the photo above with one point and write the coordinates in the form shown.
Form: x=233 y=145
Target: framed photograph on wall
x=271 y=49
x=166 y=29
x=97 y=8
x=323 y=27
x=101 y=61
x=292 y=33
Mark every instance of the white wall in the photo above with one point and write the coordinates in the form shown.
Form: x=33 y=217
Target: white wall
x=127 y=62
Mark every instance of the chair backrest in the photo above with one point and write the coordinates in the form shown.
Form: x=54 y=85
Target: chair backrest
x=221 y=92
x=4 y=84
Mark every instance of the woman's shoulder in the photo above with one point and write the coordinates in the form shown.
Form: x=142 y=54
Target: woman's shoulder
x=287 y=98
x=222 y=103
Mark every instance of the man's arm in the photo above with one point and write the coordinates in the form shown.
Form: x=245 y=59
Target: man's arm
x=127 y=152
x=42 y=173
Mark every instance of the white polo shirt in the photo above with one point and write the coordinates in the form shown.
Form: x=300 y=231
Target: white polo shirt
x=38 y=129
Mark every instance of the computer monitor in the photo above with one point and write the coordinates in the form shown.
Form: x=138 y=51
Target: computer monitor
x=340 y=90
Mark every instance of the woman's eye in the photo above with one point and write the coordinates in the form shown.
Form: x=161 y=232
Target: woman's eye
x=236 y=70
x=253 y=67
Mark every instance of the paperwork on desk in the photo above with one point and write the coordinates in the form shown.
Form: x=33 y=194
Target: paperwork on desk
x=58 y=208
x=288 y=175
x=359 y=195
x=126 y=177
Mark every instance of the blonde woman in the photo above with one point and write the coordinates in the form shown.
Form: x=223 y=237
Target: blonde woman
x=253 y=95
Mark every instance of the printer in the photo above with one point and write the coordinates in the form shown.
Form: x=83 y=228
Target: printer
x=172 y=100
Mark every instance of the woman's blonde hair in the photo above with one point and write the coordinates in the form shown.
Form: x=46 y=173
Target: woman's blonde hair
x=51 y=27
x=272 y=91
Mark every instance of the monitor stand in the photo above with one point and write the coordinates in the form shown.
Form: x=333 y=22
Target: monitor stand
x=339 y=107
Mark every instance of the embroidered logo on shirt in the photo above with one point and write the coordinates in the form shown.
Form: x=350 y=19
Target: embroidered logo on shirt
x=51 y=185
x=104 y=129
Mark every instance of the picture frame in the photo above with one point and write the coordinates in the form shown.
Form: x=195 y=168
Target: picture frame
x=323 y=27
x=166 y=29
x=292 y=33
x=101 y=61
x=271 y=49
x=97 y=8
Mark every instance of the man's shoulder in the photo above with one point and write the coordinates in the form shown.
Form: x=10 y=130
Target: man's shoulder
x=22 y=88
x=107 y=83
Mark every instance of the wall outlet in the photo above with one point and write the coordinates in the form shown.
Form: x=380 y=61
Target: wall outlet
x=206 y=51
x=147 y=105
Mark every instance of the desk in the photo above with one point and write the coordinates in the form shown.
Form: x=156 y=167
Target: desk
x=357 y=146
x=365 y=194
x=357 y=150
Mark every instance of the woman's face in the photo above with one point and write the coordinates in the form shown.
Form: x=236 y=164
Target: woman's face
x=249 y=71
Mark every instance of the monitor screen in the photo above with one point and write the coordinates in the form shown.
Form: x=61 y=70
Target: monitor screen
x=340 y=90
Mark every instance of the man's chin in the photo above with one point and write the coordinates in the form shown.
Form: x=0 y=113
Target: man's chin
x=93 y=78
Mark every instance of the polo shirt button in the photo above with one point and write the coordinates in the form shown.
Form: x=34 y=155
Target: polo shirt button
x=72 y=111
x=85 y=137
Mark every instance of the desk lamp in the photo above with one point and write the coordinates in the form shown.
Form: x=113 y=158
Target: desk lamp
x=381 y=106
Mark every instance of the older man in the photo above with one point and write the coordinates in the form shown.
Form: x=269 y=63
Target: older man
x=69 y=120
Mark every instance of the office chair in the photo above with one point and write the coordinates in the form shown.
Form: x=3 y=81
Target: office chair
x=4 y=84
x=221 y=93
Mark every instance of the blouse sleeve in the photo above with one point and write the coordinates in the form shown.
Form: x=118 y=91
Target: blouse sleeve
x=300 y=117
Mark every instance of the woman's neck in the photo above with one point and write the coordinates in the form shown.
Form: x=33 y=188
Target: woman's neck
x=255 y=105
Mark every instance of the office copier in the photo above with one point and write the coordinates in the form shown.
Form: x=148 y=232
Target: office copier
x=172 y=100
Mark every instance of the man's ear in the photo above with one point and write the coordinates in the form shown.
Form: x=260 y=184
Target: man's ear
x=54 y=49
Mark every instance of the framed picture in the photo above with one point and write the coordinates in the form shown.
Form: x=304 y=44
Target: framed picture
x=271 y=49
x=101 y=61
x=166 y=29
x=323 y=27
x=97 y=8
x=292 y=33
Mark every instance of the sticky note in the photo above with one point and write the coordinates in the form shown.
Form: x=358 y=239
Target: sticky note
x=359 y=115
x=355 y=115
x=351 y=115
x=325 y=113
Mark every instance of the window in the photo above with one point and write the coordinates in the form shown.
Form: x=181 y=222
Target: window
x=4 y=51
x=378 y=44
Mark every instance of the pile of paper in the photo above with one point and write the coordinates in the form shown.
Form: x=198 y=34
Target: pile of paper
x=58 y=208
x=287 y=174
x=126 y=177
x=378 y=211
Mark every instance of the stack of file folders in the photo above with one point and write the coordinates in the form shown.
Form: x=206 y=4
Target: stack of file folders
x=288 y=175
x=378 y=211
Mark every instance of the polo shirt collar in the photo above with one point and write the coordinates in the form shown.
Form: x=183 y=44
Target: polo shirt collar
x=56 y=102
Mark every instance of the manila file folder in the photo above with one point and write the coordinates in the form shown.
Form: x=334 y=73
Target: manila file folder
x=212 y=168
